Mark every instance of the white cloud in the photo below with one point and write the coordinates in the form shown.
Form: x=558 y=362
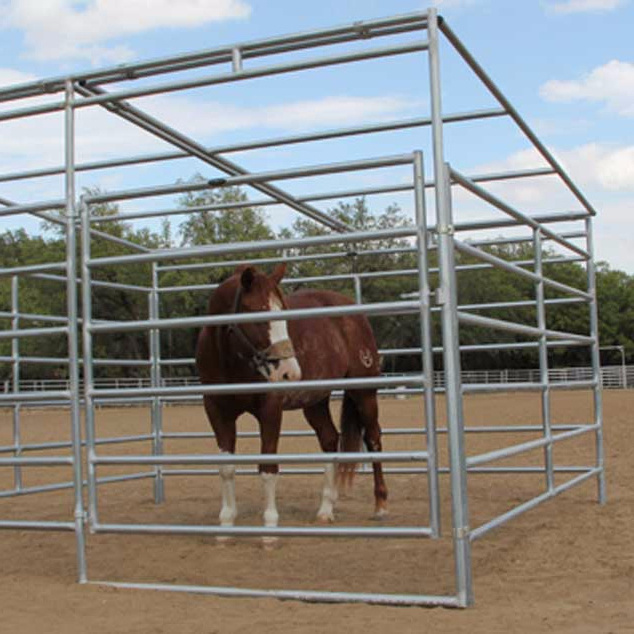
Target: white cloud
x=612 y=83
x=9 y=77
x=63 y=29
x=37 y=141
x=583 y=6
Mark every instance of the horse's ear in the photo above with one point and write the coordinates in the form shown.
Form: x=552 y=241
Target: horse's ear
x=278 y=272
x=247 y=277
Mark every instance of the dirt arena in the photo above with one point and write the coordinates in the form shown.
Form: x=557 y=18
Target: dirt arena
x=567 y=566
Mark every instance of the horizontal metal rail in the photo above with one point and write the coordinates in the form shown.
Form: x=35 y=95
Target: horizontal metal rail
x=483 y=388
x=387 y=470
x=248 y=459
x=46 y=446
x=511 y=267
x=260 y=387
x=509 y=326
x=507 y=452
x=32 y=268
x=218 y=250
x=49 y=461
x=323 y=135
x=379 y=308
x=388 y=532
x=224 y=54
x=21 y=333
x=310 y=596
x=62 y=486
x=259 y=177
x=517 y=215
x=36 y=525
x=264 y=71
x=33 y=317
x=44 y=395
x=481 y=530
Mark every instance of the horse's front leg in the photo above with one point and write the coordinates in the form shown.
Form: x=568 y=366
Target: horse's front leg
x=270 y=420
x=225 y=431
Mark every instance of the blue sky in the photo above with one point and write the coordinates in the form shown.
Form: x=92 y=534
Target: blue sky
x=567 y=66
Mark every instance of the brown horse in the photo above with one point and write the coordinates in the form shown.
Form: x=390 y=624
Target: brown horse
x=313 y=348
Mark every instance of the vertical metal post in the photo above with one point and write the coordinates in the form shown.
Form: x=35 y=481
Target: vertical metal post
x=358 y=296
x=596 y=363
x=543 y=361
x=448 y=300
x=89 y=406
x=623 y=368
x=15 y=357
x=426 y=344
x=73 y=339
x=155 y=376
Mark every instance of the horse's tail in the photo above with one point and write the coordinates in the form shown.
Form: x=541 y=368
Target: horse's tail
x=351 y=437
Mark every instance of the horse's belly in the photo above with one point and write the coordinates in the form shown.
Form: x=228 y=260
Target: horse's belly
x=299 y=399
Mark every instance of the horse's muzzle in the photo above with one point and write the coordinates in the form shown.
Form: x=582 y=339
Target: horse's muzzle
x=287 y=370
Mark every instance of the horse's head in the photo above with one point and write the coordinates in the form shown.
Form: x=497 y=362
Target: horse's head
x=265 y=346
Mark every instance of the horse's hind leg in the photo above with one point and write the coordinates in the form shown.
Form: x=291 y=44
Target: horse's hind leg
x=225 y=431
x=368 y=410
x=318 y=417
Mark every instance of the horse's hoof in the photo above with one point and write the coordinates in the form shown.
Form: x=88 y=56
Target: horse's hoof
x=325 y=518
x=270 y=543
x=380 y=513
x=224 y=540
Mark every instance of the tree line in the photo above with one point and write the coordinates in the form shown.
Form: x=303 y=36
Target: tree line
x=477 y=285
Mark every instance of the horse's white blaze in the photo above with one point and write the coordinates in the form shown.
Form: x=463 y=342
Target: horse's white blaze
x=229 y=509
x=329 y=495
x=288 y=369
x=277 y=329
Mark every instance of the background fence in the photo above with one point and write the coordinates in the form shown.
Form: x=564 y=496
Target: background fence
x=612 y=377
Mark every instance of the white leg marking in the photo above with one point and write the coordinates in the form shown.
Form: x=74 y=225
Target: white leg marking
x=329 y=495
x=271 y=516
x=229 y=509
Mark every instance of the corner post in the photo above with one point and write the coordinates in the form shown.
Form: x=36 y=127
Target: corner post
x=448 y=296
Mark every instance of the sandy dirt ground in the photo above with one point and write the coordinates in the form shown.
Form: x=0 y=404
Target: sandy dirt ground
x=567 y=566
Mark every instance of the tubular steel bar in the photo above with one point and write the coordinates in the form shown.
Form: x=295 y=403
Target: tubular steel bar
x=256 y=145
x=310 y=596
x=506 y=104
x=173 y=137
x=264 y=71
x=450 y=330
x=388 y=532
x=15 y=378
x=479 y=320
x=513 y=268
x=506 y=208
x=223 y=54
x=427 y=357
x=596 y=366
x=248 y=459
x=72 y=330
x=543 y=360
x=155 y=373
x=478 y=532
x=250 y=179
x=382 y=308
x=260 y=387
x=88 y=358
x=259 y=245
